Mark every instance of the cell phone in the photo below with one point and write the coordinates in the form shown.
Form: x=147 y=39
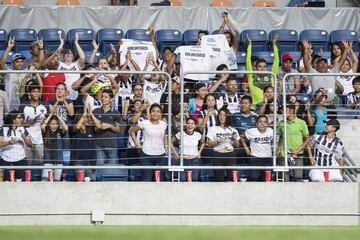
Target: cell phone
x=225 y=14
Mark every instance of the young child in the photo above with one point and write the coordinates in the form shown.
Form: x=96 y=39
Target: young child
x=353 y=98
x=53 y=130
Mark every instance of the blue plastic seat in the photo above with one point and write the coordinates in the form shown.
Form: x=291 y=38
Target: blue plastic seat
x=26 y=53
x=288 y=40
x=23 y=38
x=51 y=37
x=138 y=34
x=259 y=39
x=86 y=37
x=190 y=36
x=326 y=54
x=168 y=38
x=3 y=39
x=112 y=174
x=318 y=38
x=349 y=35
x=9 y=57
x=107 y=36
x=97 y=56
x=268 y=56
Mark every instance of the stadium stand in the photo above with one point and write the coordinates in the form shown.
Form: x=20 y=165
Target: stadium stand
x=50 y=37
x=107 y=36
x=138 y=34
x=24 y=37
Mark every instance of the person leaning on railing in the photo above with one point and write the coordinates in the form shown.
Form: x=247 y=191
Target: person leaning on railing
x=155 y=141
x=223 y=138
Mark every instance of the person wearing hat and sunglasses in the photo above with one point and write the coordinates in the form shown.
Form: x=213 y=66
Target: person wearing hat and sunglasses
x=328 y=151
x=13 y=80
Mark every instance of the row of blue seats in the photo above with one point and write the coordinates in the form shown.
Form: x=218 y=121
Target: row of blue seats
x=288 y=39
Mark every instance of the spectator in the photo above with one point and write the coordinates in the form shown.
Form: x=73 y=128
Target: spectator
x=336 y=50
x=54 y=129
x=13 y=80
x=138 y=115
x=125 y=84
x=4 y=106
x=349 y=67
x=223 y=138
x=156 y=85
x=293 y=83
x=246 y=118
x=13 y=138
x=297 y=140
x=37 y=54
x=61 y=106
x=195 y=104
x=84 y=153
x=137 y=89
x=245 y=80
x=319 y=110
x=297 y=3
x=200 y=34
x=231 y=97
x=51 y=79
x=176 y=117
x=353 y=98
x=263 y=107
x=34 y=112
x=175 y=96
x=219 y=87
x=326 y=82
x=261 y=140
x=93 y=100
x=107 y=123
x=257 y=82
x=328 y=151
x=208 y=114
x=70 y=65
x=167 y=63
x=30 y=79
x=192 y=151
x=155 y=142
x=231 y=36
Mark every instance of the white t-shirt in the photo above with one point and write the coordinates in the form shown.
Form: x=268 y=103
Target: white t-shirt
x=191 y=143
x=13 y=152
x=326 y=82
x=217 y=132
x=92 y=103
x=196 y=58
x=153 y=91
x=70 y=78
x=153 y=137
x=346 y=82
x=260 y=143
x=139 y=51
x=220 y=46
x=12 y=88
x=35 y=130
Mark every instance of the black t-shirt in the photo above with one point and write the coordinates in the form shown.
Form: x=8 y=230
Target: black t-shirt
x=107 y=138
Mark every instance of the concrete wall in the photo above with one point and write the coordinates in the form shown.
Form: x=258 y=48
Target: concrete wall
x=180 y=203
x=349 y=133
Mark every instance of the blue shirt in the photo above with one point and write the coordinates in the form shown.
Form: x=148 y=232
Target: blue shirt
x=321 y=118
x=243 y=123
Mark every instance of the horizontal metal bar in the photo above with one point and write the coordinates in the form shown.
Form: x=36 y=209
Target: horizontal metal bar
x=82 y=71
x=173 y=168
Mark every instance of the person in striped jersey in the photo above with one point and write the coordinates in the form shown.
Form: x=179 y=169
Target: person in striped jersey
x=328 y=150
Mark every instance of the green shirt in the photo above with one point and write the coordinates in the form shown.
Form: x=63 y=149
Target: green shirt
x=257 y=93
x=297 y=130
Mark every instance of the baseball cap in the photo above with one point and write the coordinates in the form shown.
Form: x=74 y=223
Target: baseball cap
x=96 y=87
x=17 y=56
x=334 y=122
x=287 y=56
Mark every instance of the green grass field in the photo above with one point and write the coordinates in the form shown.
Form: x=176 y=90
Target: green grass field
x=174 y=233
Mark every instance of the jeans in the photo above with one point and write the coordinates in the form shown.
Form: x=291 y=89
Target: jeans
x=223 y=159
x=34 y=154
x=195 y=172
x=259 y=175
x=106 y=155
x=19 y=173
x=151 y=160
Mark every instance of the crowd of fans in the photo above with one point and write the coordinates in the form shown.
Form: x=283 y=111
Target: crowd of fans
x=101 y=119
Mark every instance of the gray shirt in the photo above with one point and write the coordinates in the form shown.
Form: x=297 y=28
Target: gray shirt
x=326 y=82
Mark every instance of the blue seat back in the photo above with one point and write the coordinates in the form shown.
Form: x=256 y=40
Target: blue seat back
x=26 y=53
x=259 y=39
x=86 y=37
x=9 y=57
x=23 y=38
x=3 y=39
x=51 y=37
x=318 y=38
x=288 y=40
x=268 y=56
x=112 y=174
x=168 y=38
x=349 y=35
x=107 y=36
x=138 y=34
x=97 y=55
x=190 y=36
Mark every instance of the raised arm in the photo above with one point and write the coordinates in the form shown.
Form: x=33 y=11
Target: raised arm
x=80 y=51
x=344 y=55
x=276 y=64
x=84 y=90
x=40 y=43
x=153 y=40
x=57 y=52
x=93 y=54
x=306 y=56
x=248 y=63
x=235 y=44
x=355 y=59
x=11 y=44
x=148 y=59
